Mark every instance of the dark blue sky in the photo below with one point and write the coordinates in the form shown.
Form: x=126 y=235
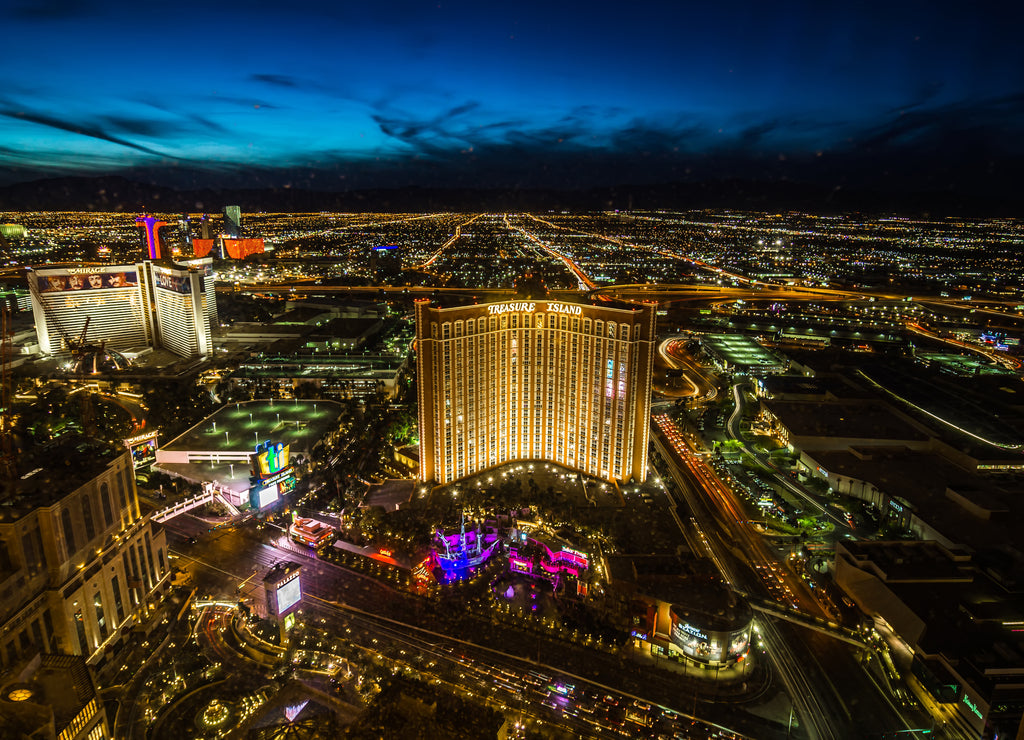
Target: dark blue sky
x=335 y=95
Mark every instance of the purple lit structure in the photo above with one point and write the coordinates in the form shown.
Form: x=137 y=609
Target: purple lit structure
x=152 y=226
x=459 y=555
x=547 y=558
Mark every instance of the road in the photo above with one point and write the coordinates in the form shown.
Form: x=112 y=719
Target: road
x=229 y=563
x=821 y=675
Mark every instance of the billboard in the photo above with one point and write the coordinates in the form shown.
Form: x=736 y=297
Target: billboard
x=263 y=495
x=711 y=646
x=288 y=594
x=77 y=279
x=283 y=589
x=143 y=449
x=269 y=458
x=172 y=280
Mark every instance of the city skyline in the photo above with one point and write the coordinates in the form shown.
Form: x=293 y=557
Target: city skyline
x=893 y=99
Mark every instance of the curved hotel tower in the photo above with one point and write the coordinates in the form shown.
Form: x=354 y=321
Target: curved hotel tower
x=534 y=380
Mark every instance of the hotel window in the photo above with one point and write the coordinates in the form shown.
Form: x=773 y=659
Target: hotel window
x=69 y=532
x=90 y=528
x=108 y=514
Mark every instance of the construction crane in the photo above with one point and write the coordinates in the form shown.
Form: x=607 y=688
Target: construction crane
x=87 y=358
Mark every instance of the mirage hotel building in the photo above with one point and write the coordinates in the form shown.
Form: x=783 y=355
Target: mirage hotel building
x=534 y=380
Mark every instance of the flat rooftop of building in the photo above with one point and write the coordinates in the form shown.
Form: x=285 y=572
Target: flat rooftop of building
x=740 y=350
x=241 y=426
x=349 y=328
x=971 y=622
x=302 y=315
x=825 y=387
x=922 y=479
x=844 y=419
x=60 y=682
x=911 y=560
x=48 y=472
x=390 y=494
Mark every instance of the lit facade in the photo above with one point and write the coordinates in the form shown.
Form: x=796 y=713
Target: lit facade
x=534 y=380
x=180 y=311
x=127 y=306
x=112 y=298
x=77 y=564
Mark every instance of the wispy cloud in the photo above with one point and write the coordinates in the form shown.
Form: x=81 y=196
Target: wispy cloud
x=90 y=130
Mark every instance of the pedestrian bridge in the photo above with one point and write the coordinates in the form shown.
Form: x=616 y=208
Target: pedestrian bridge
x=210 y=493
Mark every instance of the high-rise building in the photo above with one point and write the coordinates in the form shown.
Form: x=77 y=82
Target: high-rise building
x=534 y=380
x=204 y=266
x=127 y=306
x=204 y=227
x=180 y=316
x=112 y=298
x=185 y=227
x=233 y=222
x=79 y=562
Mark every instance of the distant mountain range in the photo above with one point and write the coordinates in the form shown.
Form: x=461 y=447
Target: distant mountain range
x=115 y=193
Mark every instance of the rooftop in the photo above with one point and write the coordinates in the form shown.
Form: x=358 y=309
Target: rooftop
x=241 y=426
x=844 y=419
x=48 y=472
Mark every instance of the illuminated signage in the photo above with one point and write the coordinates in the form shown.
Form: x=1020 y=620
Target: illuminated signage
x=270 y=458
x=267 y=495
x=973 y=707
x=288 y=594
x=691 y=630
x=143 y=449
x=500 y=308
x=897 y=507
x=173 y=281
x=280 y=477
x=77 y=280
x=509 y=307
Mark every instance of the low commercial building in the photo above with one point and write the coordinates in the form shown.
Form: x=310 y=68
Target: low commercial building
x=841 y=424
x=961 y=626
x=742 y=354
x=689 y=613
x=335 y=376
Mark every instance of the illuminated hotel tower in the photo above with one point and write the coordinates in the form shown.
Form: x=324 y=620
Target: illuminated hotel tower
x=233 y=221
x=534 y=380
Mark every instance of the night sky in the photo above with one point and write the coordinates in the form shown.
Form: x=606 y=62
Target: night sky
x=888 y=95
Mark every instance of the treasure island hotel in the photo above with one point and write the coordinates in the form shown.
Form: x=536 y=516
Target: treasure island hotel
x=534 y=380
